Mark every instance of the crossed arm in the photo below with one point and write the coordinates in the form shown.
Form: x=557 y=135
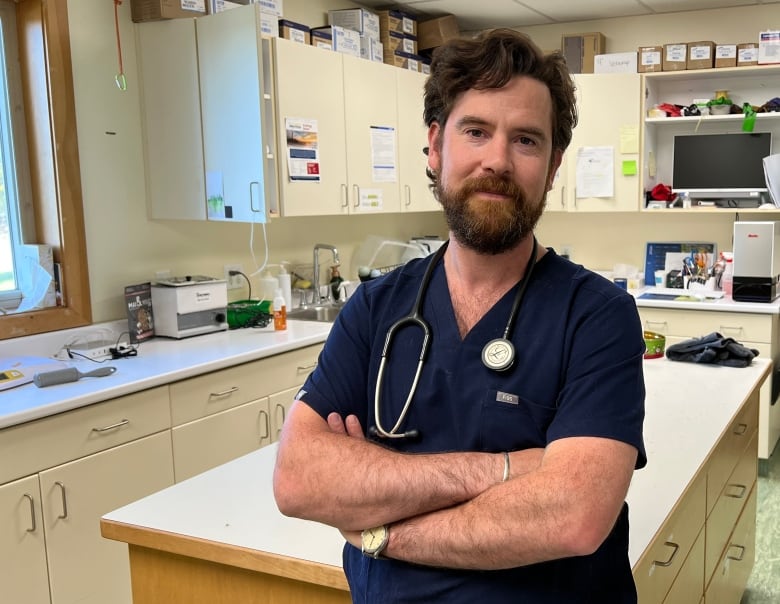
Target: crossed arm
x=452 y=509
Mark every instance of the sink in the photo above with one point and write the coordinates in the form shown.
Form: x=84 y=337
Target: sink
x=325 y=314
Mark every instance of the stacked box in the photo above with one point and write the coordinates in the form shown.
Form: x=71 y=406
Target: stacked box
x=371 y=49
x=769 y=47
x=580 y=50
x=747 y=54
x=321 y=38
x=701 y=55
x=435 y=32
x=726 y=55
x=297 y=32
x=269 y=25
x=342 y=39
x=403 y=60
x=155 y=10
x=397 y=21
x=393 y=41
x=360 y=20
x=650 y=59
x=271 y=7
x=675 y=57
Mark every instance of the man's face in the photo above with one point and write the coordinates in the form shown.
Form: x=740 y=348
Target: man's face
x=495 y=163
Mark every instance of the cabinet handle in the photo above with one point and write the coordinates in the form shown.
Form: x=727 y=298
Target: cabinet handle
x=283 y=410
x=563 y=197
x=741 y=553
x=742 y=488
x=648 y=323
x=264 y=415
x=252 y=186
x=671 y=557
x=356 y=193
x=307 y=367
x=344 y=196
x=738 y=329
x=222 y=393
x=740 y=429
x=408 y=191
x=64 y=500
x=119 y=424
x=32 y=512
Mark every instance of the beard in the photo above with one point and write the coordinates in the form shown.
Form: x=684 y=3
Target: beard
x=487 y=226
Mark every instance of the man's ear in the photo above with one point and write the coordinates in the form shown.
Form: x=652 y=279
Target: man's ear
x=434 y=157
x=555 y=163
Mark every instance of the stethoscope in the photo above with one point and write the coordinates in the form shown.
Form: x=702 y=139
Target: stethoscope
x=498 y=354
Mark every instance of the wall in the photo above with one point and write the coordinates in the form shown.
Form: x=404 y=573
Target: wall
x=124 y=246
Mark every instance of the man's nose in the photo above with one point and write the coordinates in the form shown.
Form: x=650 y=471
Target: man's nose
x=496 y=158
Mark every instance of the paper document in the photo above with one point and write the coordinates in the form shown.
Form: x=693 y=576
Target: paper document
x=595 y=172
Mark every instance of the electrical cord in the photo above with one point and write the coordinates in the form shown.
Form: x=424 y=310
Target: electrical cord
x=249 y=283
x=120 y=351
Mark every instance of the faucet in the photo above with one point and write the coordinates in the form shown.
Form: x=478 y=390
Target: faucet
x=318 y=299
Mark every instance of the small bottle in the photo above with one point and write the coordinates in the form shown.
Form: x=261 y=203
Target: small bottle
x=268 y=285
x=335 y=282
x=280 y=311
x=727 y=280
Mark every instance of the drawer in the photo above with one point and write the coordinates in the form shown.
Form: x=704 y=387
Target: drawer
x=662 y=560
x=736 y=563
x=729 y=505
x=217 y=391
x=51 y=441
x=730 y=449
x=688 y=587
x=694 y=324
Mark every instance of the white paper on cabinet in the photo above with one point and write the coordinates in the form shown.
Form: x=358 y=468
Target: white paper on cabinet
x=595 y=172
x=303 y=160
x=383 y=163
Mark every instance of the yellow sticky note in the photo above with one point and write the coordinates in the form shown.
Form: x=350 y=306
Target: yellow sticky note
x=629 y=167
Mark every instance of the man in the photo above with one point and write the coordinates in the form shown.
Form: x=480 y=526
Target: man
x=499 y=473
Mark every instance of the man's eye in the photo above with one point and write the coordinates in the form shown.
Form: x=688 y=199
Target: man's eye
x=524 y=140
x=473 y=132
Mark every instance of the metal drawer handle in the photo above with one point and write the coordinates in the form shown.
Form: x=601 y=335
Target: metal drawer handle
x=223 y=392
x=408 y=195
x=263 y=414
x=280 y=410
x=32 y=512
x=649 y=322
x=119 y=424
x=307 y=367
x=742 y=488
x=741 y=553
x=738 y=328
x=740 y=429
x=64 y=500
x=671 y=557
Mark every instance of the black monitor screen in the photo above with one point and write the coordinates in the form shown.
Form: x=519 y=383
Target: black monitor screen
x=720 y=161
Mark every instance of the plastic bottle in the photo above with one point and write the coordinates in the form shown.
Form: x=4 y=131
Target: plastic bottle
x=335 y=282
x=268 y=285
x=280 y=311
x=727 y=281
x=285 y=284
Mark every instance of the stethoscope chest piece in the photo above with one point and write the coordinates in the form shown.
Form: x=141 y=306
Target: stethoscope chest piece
x=498 y=354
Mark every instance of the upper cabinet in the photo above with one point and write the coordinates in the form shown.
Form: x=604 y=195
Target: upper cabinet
x=599 y=172
x=754 y=85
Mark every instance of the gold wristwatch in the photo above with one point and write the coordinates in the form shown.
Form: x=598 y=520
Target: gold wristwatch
x=374 y=540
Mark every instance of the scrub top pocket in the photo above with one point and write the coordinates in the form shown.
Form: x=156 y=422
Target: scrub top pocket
x=509 y=422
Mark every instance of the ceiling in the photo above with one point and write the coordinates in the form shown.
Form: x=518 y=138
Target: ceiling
x=474 y=15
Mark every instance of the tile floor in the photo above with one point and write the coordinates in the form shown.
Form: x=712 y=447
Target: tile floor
x=764 y=584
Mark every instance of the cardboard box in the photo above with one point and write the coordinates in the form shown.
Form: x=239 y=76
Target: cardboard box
x=650 y=59
x=403 y=60
x=371 y=49
x=769 y=47
x=217 y=6
x=675 y=57
x=393 y=41
x=725 y=55
x=397 y=21
x=435 y=32
x=156 y=10
x=269 y=25
x=701 y=55
x=272 y=7
x=297 y=32
x=580 y=50
x=615 y=62
x=321 y=38
x=361 y=20
x=747 y=54
x=342 y=39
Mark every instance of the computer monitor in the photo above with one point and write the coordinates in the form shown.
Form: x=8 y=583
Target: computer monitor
x=721 y=166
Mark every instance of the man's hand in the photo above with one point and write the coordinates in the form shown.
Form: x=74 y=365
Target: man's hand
x=351 y=426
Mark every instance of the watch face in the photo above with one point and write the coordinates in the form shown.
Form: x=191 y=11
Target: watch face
x=374 y=539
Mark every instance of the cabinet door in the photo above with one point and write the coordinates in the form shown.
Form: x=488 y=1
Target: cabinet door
x=84 y=567
x=309 y=88
x=372 y=136
x=206 y=443
x=557 y=200
x=608 y=118
x=231 y=89
x=22 y=545
x=280 y=404
x=416 y=195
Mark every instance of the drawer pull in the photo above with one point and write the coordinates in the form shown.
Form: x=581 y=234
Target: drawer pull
x=742 y=488
x=119 y=424
x=649 y=324
x=307 y=367
x=671 y=557
x=32 y=512
x=267 y=423
x=64 y=500
x=740 y=429
x=727 y=328
x=741 y=553
x=227 y=392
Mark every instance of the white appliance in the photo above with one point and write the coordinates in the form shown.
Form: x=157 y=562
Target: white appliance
x=756 y=261
x=189 y=306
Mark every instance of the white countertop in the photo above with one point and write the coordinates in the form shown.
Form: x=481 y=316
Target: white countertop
x=159 y=361
x=688 y=408
x=724 y=304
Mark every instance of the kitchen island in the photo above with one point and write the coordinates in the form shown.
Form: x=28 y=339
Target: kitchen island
x=218 y=537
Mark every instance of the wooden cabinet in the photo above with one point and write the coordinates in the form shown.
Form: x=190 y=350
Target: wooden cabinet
x=78 y=466
x=754 y=330
x=744 y=84
x=225 y=414
x=604 y=147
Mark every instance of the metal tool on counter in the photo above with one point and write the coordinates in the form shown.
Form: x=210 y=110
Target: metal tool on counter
x=69 y=374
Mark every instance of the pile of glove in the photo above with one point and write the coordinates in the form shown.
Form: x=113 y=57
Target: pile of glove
x=712 y=348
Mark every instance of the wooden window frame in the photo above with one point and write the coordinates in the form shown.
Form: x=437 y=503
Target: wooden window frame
x=50 y=109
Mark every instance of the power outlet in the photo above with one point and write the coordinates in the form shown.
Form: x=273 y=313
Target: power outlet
x=234 y=281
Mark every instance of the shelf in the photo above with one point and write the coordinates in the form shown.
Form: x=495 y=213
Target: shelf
x=716 y=73
x=734 y=117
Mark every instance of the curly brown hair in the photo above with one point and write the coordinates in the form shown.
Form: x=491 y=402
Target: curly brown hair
x=490 y=60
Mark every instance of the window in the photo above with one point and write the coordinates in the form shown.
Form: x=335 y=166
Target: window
x=50 y=210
